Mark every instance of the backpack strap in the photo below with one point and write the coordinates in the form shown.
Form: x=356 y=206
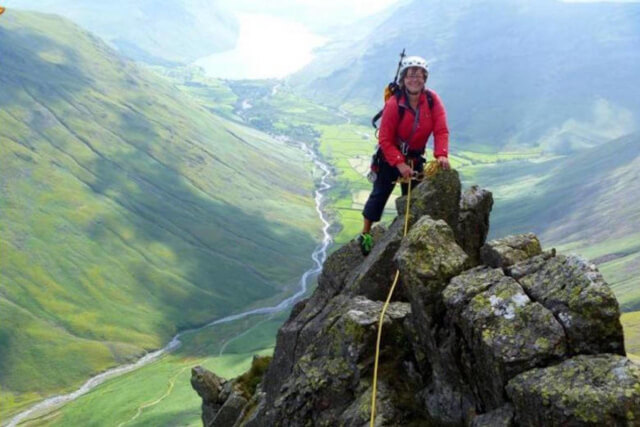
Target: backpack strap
x=376 y=118
x=392 y=89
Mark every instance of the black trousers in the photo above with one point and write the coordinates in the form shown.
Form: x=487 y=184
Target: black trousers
x=383 y=187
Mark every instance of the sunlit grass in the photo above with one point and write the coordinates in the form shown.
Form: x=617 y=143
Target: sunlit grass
x=161 y=393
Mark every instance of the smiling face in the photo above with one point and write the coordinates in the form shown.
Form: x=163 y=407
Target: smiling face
x=414 y=79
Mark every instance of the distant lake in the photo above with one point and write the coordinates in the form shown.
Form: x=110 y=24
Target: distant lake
x=268 y=47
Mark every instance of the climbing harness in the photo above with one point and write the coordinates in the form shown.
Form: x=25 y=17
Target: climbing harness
x=430 y=171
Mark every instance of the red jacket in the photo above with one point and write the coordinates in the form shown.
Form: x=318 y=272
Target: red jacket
x=392 y=129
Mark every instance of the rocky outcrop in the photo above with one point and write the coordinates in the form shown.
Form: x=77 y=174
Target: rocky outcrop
x=473 y=224
x=226 y=402
x=439 y=198
x=600 y=390
x=508 y=251
x=483 y=334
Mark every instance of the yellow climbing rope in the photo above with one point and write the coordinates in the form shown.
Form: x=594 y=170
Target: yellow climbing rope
x=430 y=170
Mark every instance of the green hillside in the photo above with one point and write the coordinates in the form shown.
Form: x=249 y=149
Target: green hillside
x=127 y=211
x=588 y=203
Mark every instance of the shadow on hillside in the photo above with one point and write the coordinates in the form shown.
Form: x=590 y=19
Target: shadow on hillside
x=23 y=64
x=200 y=257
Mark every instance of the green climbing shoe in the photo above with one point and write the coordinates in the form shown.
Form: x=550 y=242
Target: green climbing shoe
x=366 y=243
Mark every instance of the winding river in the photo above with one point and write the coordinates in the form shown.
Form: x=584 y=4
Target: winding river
x=318 y=256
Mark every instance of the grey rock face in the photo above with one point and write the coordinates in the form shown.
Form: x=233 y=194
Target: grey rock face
x=328 y=377
x=428 y=257
x=501 y=417
x=473 y=224
x=584 y=304
x=372 y=278
x=438 y=197
x=525 y=339
x=601 y=390
x=529 y=266
x=208 y=386
x=250 y=415
x=511 y=249
x=345 y=260
x=206 y=383
x=505 y=331
x=229 y=411
x=308 y=316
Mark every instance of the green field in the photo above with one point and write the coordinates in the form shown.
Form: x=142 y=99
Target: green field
x=160 y=393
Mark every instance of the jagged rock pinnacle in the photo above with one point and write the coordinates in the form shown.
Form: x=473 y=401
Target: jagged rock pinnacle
x=483 y=334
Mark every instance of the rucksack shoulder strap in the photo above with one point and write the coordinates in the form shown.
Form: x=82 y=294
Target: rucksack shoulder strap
x=398 y=94
x=430 y=99
x=376 y=118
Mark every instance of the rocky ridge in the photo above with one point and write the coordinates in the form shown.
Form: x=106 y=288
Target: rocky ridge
x=497 y=333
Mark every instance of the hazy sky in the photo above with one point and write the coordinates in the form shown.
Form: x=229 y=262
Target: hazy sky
x=277 y=37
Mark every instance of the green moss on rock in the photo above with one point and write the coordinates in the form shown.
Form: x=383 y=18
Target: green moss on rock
x=247 y=382
x=585 y=390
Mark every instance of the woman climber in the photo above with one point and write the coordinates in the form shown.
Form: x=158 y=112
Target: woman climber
x=408 y=119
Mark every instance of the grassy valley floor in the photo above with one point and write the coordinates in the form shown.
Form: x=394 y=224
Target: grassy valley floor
x=160 y=393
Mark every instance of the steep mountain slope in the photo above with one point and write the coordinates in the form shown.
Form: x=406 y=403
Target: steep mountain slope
x=558 y=75
x=127 y=211
x=150 y=31
x=577 y=197
x=590 y=202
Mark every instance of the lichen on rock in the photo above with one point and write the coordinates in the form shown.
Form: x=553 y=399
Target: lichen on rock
x=584 y=304
x=600 y=390
x=510 y=250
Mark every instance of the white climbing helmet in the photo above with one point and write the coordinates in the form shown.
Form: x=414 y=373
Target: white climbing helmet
x=413 y=61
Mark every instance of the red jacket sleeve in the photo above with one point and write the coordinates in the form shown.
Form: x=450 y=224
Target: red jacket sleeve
x=387 y=137
x=440 y=129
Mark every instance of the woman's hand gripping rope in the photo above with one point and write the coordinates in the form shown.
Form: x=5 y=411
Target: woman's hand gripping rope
x=430 y=170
